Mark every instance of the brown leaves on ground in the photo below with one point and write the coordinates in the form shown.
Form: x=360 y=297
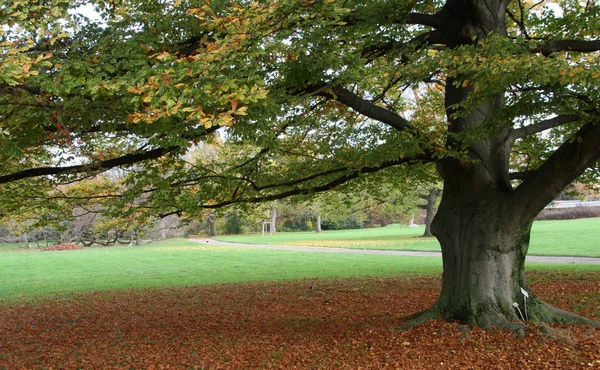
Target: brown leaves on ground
x=307 y=324
x=63 y=247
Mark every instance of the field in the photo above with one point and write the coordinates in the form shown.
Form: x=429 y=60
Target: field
x=184 y=305
x=552 y=238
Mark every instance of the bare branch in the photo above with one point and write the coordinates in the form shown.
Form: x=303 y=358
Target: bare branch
x=543 y=125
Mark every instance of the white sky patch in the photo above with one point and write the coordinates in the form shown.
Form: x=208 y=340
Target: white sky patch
x=89 y=12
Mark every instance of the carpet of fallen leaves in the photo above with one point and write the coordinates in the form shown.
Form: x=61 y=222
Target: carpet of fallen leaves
x=306 y=324
x=63 y=247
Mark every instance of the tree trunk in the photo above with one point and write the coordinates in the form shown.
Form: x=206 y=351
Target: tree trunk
x=431 y=199
x=212 y=221
x=273 y=219
x=319 y=223
x=484 y=234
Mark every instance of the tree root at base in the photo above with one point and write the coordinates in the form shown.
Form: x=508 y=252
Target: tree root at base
x=543 y=315
x=422 y=317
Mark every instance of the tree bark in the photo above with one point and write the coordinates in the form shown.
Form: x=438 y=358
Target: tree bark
x=319 y=230
x=430 y=209
x=212 y=221
x=273 y=219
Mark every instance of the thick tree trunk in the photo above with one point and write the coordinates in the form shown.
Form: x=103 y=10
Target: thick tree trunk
x=484 y=235
x=483 y=251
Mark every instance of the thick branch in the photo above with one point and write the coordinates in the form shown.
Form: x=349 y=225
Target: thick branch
x=127 y=159
x=434 y=21
x=360 y=105
x=555 y=46
x=519 y=175
x=567 y=163
x=543 y=125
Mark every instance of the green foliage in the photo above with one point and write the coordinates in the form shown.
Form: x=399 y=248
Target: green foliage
x=233 y=223
x=295 y=89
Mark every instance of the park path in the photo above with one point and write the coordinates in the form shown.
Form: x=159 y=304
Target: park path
x=538 y=259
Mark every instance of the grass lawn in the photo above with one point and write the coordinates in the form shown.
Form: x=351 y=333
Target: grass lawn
x=554 y=238
x=34 y=273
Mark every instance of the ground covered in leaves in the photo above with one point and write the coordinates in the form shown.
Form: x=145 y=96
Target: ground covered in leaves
x=307 y=324
x=63 y=247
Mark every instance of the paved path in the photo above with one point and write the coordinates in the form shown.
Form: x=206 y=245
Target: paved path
x=539 y=259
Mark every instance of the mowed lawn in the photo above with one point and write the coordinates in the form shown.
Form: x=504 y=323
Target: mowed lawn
x=179 y=262
x=31 y=273
x=553 y=238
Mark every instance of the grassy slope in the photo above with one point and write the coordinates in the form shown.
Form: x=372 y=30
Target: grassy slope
x=32 y=273
x=560 y=238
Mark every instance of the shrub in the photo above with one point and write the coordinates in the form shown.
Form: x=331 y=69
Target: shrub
x=568 y=213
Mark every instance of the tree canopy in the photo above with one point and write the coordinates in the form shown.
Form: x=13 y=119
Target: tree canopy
x=306 y=96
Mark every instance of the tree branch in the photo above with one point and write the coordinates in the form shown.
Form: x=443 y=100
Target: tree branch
x=567 y=163
x=359 y=104
x=127 y=159
x=418 y=42
x=555 y=46
x=434 y=21
x=519 y=175
x=543 y=125
x=323 y=187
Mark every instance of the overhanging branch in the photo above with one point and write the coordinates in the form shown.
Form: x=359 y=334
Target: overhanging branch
x=359 y=104
x=348 y=174
x=544 y=125
x=127 y=159
x=555 y=46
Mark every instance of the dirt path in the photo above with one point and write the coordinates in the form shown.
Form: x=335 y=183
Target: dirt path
x=539 y=259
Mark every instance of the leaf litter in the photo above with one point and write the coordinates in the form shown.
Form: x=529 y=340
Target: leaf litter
x=302 y=324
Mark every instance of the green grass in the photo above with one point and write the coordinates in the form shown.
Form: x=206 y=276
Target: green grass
x=30 y=274
x=8 y=247
x=553 y=238
x=179 y=262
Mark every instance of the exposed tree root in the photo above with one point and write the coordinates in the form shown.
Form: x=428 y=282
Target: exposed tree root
x=540 y=316
x=421 y=318
x=552 y=315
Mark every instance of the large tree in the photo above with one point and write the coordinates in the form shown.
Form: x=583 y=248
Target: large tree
x=501 y=96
